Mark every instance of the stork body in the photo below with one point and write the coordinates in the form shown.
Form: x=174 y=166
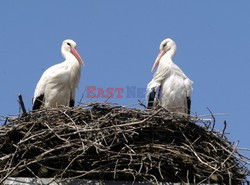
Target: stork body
x=169 y=85
x=58 y=83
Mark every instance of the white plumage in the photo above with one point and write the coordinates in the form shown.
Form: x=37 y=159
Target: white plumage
x=173 y=86
x=58 y=83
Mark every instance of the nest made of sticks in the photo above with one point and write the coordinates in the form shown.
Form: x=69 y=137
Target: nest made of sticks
x=104 y=141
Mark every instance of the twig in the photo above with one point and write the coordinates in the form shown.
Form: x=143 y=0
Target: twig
x=6 y=120
x=137 y=122
x=82 y=97
x=71 y=163
x=159 y=169
x=59 y=137
x=10 y=172
x=107 y=99
x=142 y=104
x=212 y=118
x=224 y=129
x=21 y=103
x=222 y=164
x=77 y=130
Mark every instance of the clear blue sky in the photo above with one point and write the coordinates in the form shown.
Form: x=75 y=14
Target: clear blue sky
x=119 y=42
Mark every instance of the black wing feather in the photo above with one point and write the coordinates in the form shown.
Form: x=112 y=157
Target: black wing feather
x=188 y=104
x=38 y=102
x=71 y=103
x=151 y=98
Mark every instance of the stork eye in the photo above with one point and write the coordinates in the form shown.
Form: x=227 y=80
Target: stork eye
x=68 y=44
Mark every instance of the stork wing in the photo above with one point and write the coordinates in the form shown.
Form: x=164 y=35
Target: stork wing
x=54 y=74
x=155 y=84
x=37 y=103
x=151 y=98
x=188 y=86
x=163 y=72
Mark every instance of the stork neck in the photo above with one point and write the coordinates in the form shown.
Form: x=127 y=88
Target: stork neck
x=170 y=53
x=69 y=57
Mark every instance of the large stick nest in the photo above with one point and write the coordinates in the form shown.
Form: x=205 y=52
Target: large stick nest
x=103 y=141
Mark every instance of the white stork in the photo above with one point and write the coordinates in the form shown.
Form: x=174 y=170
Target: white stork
x=173 y=86
x=58 y=83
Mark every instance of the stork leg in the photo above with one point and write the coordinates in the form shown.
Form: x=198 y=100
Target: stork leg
x=151 y=98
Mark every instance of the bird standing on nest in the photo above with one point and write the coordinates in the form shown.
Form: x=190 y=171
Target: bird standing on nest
x=58 y=83
x=173 y=87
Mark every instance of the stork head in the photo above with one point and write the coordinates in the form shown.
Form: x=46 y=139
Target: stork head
x=166 y=46
x=69 y=46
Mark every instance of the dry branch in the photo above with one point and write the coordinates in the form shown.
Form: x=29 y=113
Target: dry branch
x=20 y=100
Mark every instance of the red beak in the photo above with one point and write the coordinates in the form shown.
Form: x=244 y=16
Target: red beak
x=157 y=60
x=77 y=55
